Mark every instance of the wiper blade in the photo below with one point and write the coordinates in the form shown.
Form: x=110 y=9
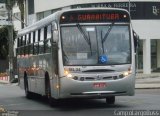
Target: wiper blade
x=87 y=38
x=83 y=33
x=108 y=32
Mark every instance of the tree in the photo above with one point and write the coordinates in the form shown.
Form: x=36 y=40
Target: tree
x=21 y=8
x=4 y=42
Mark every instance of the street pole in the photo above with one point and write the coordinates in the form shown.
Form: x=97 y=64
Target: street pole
x=129 y=7
x=10 y=36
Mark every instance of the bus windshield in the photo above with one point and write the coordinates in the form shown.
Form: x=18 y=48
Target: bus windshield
x=91 y=44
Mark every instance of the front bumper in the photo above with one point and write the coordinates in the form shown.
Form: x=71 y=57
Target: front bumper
x=84 y=89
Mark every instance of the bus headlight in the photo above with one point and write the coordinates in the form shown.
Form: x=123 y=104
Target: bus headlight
x=67 y=74
x=125 y=74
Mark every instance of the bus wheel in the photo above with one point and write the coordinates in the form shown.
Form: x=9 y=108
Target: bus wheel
x=110 y=100
x=53 y=102
x=47 y=85
x=27 y=93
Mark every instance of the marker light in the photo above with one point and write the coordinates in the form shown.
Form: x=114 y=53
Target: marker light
x=66 y=72
x=57 y=86
x=63 y=17
x=124 y=16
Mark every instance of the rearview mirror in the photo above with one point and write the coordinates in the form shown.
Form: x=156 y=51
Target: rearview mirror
x=136 y=40
x=55 y=32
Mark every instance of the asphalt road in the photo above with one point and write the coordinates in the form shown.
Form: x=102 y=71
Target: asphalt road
x=12 y=98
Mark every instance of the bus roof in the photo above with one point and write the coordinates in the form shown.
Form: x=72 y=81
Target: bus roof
x=56 y=16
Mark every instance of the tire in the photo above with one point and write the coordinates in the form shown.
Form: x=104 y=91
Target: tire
x=52 y=102
x=110 y=100
x=27 y=93
x=47 y=85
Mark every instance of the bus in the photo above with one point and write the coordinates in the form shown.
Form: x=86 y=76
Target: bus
x=78 y=53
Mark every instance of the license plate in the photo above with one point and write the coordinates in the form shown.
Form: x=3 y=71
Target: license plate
x=99 y=85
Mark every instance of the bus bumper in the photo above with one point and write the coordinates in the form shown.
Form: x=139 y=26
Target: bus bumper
x=92 y=89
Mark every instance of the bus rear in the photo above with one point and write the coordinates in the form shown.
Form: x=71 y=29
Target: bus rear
x=97 y=58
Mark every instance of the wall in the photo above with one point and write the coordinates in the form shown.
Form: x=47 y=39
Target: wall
x=147 y=29
x=158 y=53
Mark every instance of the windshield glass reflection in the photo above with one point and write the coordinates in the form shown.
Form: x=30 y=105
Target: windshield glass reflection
x=96 y=45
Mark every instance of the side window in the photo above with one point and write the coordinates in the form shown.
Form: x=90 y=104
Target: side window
x=27 y=39
x=18 y=45
x=21 y=46
x=29 y=43
x=24 y=44
x=19 y=42
x=41 y=42
x=36 y=43
x=23 y=41
x=48 y=39
x=36 y=36
x=45 y=38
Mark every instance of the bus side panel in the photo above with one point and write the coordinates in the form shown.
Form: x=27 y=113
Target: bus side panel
x=45 y=66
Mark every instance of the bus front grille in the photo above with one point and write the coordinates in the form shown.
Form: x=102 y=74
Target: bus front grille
x=96 y=78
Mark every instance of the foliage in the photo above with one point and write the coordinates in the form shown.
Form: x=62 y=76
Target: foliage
x=4 y=42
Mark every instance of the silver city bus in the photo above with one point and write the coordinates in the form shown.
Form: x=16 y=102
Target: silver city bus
x=78 y=53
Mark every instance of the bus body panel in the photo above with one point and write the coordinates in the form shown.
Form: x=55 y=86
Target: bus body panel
x=71 y=88
x=63 y=87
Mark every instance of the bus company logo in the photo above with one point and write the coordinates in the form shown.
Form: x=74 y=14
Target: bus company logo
x=98 y=77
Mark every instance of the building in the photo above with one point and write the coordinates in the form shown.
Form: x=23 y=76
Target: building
x=3 y=14
x=145 y=16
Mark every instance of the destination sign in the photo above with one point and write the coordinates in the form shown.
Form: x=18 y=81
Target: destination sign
x=93 y=16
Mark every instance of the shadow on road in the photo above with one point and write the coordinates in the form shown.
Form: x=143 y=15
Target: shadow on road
x=79 y=104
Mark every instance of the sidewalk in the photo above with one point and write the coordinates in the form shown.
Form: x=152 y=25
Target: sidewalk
x=148 y=81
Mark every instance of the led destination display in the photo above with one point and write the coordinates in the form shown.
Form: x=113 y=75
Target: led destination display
x=94 y=16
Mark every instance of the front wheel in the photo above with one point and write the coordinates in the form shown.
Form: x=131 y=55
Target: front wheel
x=53 y=102
x=110 y=100
x=28 y=94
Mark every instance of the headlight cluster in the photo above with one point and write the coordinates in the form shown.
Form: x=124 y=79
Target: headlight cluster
x=125 y=74
x=120 y=76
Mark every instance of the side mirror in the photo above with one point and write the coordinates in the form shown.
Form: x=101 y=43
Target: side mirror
x=136 y=40
x=55 y=32
x=55 y=36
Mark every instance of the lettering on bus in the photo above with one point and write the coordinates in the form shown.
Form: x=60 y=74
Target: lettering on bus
x=97 y=17
x=94 y=16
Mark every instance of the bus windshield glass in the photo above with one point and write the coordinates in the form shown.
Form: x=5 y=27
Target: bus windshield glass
x=107 y=44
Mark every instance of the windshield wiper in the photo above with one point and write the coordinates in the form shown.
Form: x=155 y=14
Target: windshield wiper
x=66 y=59
x=108 y=32
x=87 y=38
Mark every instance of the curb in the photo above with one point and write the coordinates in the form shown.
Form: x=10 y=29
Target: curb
x=147 y=87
